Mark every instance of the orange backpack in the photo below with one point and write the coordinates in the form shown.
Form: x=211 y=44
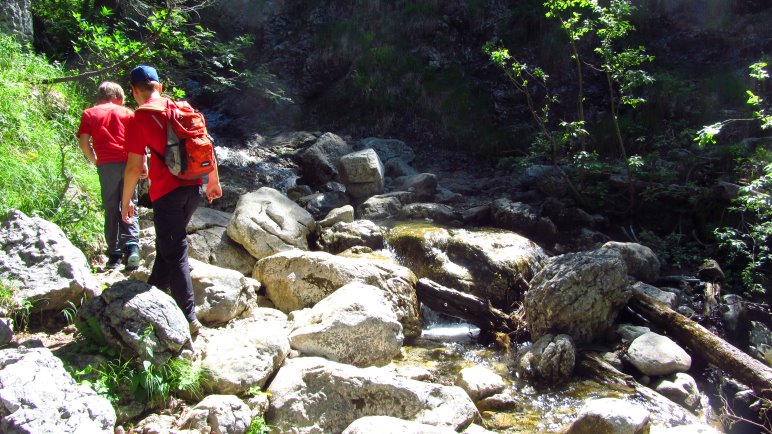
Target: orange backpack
x=189 y=150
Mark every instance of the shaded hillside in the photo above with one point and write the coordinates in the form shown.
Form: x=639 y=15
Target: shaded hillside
x=416 y=70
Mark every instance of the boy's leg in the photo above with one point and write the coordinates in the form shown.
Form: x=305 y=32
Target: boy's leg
x=172 y=213
x=111 y=183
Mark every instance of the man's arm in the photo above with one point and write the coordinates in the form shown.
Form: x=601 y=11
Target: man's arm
x=135 y=167
x=85 y=147
x=213 y=189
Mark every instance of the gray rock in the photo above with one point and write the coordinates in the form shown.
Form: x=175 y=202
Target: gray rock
x=423 y=185
x=665 y=297
x=295 y=279
x=363 y=174
x=521 y=217
x=397 y=167
x=342 y=214
x=16 y=19
x=389 y=149
x=658 y=355
x=266 y=222
x=437 y=213
x=384 y=206
x=479 y=382
x=223 y=414
x=641 y=261
x=313 y=395
x=38 y=396
x=214 y=246
x=392 y=425
x=221 y=294
x=41 y=264
x=6 y=331
x=579 y=294
x=245 y=353
x=342 y=236
x=628 y=332
x=610 y=416
x=550 y=360
x=319 y=162
x=320 y=204
x=681 y=389
x=493 y=264
x=353 y=325
x=206 y=218
x=134 y=315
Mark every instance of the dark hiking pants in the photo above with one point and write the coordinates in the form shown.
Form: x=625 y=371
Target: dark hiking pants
x=171 y=214
x=118 y=234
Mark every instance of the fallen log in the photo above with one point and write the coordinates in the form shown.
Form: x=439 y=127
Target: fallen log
x=591 y=365
x=706 y=345
x=472 y=309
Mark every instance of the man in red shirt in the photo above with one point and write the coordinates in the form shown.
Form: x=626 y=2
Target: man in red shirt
x=174 y=200
x=101 y=137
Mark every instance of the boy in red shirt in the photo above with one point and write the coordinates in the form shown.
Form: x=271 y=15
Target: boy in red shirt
x=174 y=200
x=101 y=137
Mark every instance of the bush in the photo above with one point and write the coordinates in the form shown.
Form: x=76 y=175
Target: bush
x=42 y=171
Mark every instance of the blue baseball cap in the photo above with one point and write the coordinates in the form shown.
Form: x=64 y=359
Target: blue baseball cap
x=143 y=74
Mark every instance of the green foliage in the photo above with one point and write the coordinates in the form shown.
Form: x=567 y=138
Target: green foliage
x=144 y=379
x=748 y=244
x=13 y=306
x=42 y=171
x=258 y=426
x=674 y=249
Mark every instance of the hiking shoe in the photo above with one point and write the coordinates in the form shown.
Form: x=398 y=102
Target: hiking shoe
x=113 y=262
x=132 y=258
x=195 y=326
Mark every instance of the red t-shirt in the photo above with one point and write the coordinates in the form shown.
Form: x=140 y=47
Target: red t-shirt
x=144 y=131
x=106 y=124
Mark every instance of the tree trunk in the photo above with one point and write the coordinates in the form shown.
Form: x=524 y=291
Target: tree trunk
x=475 y=310
x=706 y=345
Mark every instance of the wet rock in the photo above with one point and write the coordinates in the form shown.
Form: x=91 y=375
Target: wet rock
x=550 y=360
x=343 y=235
x=681 y=389
x=479 y=382
x=685 y=429
x=498 y=402
x=610 y=416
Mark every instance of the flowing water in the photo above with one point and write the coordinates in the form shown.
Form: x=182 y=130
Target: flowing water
x=446 y=346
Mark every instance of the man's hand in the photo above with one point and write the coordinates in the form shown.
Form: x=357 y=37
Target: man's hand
x=127 y=212
x=143 y=174
x=213 y=191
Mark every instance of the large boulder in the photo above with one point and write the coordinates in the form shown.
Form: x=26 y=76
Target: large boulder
x=245 y=353
x=136 y=316
x=319 y=161
x=423 y=185
x=38 y=396
x=208 y=241
x=41 y=264
x=266 y=222
x=314 y=395
x=363 y=174
x=353 y=325
x=578 y=294
x=384 y=206
x=521 y=218
x=640 y=260
x=492 y=264
x=221 y=294
x=389 y=149
x=296 y=279
x=16 y=19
